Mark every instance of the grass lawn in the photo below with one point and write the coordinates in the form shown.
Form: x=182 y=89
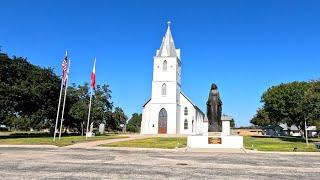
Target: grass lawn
x=66 y=140
x=155 y=142
x=279 y=144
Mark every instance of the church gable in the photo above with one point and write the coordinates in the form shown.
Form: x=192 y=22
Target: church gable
x=188 y=99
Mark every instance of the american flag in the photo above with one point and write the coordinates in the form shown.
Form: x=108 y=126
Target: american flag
x=65 y=70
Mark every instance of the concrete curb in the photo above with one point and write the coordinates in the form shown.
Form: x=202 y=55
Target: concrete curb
x=216 y=150
x=280 y=152
x=29 y=146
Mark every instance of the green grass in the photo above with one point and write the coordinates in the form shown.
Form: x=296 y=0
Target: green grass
x=156 y=142
x=285 y=144
x=65 y=141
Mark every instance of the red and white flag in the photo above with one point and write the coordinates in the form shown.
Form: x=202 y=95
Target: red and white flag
x=93 y=76
x=65 y=70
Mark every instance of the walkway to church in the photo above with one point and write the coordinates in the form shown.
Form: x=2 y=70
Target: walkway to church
x=91 y=144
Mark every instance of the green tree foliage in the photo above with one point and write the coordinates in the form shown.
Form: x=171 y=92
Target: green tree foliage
x=312 y=104
x=29 y=99
x=28 y=93
x=291 y=103
x=78 y=100
x=78 y=105
x=118 y=118
x=261 y=118
x=134 y=124
x=232 y=123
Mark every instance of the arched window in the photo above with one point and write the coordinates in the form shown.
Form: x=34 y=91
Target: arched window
x=164 y=89
x=162 y=123
x=163 y=114
x=192 y=125
x=185 y=124
x=164 y=67
x=186 y=111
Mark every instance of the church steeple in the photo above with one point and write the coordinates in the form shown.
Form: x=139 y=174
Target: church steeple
x=167 y=48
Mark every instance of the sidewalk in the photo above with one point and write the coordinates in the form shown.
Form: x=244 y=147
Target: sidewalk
x=91 y=144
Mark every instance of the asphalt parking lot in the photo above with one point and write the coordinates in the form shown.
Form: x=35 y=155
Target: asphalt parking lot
x=60 y=163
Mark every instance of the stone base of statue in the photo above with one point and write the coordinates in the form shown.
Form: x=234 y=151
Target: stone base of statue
x=222 y=139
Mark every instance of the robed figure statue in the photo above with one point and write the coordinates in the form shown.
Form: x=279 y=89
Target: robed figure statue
x=214 y=108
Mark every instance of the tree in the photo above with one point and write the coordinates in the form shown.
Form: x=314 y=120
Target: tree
x=119 y=118
x=78 y=105
x=28 y=93
x=311 y=104
x=101 y=104
x=232 y=123
x=261 y=118
x=79 y=108
x=134 y=124
x=292 y=103
x=29 y=98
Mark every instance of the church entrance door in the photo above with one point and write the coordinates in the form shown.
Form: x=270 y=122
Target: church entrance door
x=162 y=122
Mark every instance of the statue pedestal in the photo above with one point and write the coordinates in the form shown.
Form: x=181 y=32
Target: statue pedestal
x=214 y=133
x=206 y=141
x=216 y=139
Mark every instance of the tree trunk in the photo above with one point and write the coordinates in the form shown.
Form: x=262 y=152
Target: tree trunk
x=81 y=124
x=302 y=134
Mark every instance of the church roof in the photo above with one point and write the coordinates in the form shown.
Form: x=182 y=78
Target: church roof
x=146 y=102
x=167 y=48
x=196 y=107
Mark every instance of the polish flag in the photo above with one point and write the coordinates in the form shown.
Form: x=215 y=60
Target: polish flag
x=93 y=76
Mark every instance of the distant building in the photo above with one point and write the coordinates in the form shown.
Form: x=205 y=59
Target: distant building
x=249 y=132
x=273 y=130
x=294 y=131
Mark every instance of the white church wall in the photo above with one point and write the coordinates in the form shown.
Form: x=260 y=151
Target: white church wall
x=178 y=119
x=145 y=123
x=170 y=96
x=151 y=114
x=190 y=115
x=204 y=128
x=165 y=75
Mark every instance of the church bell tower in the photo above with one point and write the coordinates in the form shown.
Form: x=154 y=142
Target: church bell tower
x=166 y=83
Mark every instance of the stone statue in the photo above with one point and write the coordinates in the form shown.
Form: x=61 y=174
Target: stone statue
x=214 y=108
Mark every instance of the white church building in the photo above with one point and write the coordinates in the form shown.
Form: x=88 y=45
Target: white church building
x=169 y=110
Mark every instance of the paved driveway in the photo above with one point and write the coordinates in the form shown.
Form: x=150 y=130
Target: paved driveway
x=68 y=163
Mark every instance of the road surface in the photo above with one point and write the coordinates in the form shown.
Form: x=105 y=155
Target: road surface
x=104 y=163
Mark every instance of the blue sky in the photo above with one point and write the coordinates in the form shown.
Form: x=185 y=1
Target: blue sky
x=242 y=46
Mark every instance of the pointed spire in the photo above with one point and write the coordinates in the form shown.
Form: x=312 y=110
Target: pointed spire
x=167 y=48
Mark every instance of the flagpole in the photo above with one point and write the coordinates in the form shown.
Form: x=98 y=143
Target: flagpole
x=89 y=114
x=91 y=88
x=64 y=99
x=55 y=128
